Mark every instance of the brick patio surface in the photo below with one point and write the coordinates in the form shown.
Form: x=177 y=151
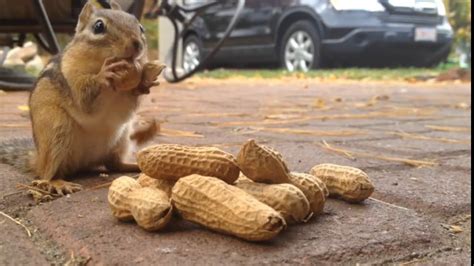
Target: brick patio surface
x=418 y=214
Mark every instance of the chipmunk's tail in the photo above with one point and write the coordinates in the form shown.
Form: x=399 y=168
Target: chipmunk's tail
x=19 y=153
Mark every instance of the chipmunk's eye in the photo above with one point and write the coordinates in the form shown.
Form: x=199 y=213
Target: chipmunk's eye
x=99 y=27
x=142 y=29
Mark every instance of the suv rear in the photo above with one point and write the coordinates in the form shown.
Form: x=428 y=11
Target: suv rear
x=304 y=34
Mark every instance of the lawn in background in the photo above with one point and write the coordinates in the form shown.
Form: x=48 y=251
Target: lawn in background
x=408 y=73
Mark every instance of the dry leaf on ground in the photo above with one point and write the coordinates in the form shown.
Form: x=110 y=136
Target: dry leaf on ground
x=178 y=133
x=448 y=128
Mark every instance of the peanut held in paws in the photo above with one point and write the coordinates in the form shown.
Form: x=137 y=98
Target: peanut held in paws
x=151 y=71
x=129 y=77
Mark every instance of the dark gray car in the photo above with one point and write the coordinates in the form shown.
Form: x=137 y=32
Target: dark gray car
x=304 y=34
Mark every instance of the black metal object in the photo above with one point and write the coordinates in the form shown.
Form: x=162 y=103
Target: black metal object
x=13 y=80
x=177 y=13
x=46 y=38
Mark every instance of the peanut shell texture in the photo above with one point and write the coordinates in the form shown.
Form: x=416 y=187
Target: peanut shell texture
x=162 y=184
x=172 y=162
x=150 y=207
x=349 y=183
x=221 y=207
x=262 y=164
x=311 y=189
x=118 y=197
x=287 y=199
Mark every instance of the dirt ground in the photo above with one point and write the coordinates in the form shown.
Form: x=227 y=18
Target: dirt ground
x=413 y=140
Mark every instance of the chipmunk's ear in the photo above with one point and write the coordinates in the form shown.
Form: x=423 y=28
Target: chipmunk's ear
x=115 y=5
x=85 y=15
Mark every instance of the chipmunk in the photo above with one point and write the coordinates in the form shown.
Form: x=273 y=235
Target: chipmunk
x=84 y=101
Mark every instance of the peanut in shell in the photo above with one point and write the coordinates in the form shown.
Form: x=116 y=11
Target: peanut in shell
x=287 y=199
x=164 y=185
x=171 y=162
x=130 y=77
x=118 y=197
x=349 y=183
x=224 y=208
x=150 y=207
x=151 y=71
x=311 y=189
x=321 y=185
x=262 y=164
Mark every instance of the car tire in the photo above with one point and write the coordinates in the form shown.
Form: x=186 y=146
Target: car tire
x=435 y=60
x=300 y=43
x=192 y=53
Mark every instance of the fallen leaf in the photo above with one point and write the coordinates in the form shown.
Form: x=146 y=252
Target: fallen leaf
x=351 y=155
x=449 y=129
x=382 y=97
x=463 y=106
x=15 y=125
x=178 y=133
x=455 y=229
x=313 y=132
x=319 y=103
x=282 y=116
x=421 y=137
x=217 y=115
x=23 y=108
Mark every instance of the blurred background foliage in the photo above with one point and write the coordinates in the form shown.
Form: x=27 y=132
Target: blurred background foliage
x=459 y=15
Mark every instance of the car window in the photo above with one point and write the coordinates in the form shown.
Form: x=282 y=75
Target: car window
x=413 y=3
x=372 y=5
x=402 y=3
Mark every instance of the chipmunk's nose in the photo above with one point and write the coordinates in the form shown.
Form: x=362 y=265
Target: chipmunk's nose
x=137 y=45
x=134 y=48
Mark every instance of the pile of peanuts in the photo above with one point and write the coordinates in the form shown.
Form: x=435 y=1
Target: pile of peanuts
x=253 y=196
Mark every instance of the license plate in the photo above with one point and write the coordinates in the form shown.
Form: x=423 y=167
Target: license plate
x=425 y=35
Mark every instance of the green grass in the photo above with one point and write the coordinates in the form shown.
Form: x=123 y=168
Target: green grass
x=340 y=73
x=346 y=73
x=151 y=30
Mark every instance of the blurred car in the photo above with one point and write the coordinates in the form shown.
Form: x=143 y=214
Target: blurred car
x=306 y=34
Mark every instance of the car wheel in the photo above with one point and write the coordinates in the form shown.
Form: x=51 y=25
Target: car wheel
x=192 y=53
x=300 y=47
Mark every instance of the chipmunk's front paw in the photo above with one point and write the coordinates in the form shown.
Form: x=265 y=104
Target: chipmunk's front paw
x=57 y=187
x=118 y=74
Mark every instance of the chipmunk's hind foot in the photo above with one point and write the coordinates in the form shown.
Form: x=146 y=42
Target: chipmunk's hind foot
x=57 y=187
